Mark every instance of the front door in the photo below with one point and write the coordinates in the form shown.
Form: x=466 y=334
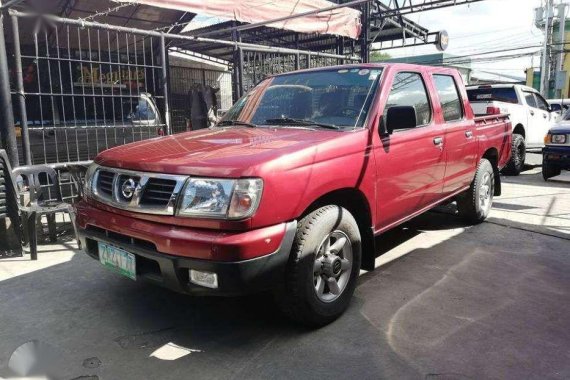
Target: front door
x=410 y=163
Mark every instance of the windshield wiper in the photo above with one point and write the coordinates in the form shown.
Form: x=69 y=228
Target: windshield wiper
x=304 y=122
x=236 y=122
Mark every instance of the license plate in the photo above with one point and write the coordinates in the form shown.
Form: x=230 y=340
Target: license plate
x=118 y=260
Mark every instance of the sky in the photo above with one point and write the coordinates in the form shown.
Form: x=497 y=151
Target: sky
x=482 y=27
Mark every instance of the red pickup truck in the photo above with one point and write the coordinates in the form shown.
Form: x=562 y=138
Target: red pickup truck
x=291 y=187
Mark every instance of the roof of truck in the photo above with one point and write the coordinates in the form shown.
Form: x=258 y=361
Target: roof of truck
x=405 y=66
x=503 y=85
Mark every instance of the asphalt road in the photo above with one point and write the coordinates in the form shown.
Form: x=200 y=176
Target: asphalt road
x=445 y=302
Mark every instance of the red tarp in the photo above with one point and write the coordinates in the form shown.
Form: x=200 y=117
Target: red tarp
x=341 y=21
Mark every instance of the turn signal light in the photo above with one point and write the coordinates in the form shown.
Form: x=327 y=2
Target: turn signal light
x=547 y=139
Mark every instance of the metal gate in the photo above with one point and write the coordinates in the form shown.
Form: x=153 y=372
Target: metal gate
x=78 y=90
x=80 y=87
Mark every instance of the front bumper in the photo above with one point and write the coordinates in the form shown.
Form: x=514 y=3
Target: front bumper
x=235 y=277
x=557 y=156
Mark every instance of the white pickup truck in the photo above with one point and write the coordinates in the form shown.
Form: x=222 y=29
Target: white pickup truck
x=529 y=112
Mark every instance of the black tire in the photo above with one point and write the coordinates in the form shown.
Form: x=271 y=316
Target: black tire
x=548 y=171
x=469 y=203
x=298 y=298
x=518 y=156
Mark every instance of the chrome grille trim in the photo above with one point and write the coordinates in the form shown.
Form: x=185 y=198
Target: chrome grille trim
x=134 y=205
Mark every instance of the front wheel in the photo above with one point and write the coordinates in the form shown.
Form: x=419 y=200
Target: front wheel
x=475 y=204
x=548 y=171
x=323 y=267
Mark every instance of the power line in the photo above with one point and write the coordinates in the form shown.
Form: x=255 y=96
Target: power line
x=469 y=58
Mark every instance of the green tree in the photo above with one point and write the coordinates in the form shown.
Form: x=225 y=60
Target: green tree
x=378 y=56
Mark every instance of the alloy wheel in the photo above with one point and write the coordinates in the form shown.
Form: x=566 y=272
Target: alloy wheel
x=332 y=266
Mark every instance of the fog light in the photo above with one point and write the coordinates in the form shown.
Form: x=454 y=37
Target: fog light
x=207 y=279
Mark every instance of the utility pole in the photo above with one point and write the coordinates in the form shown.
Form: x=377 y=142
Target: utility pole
x=545 y=67
x=7 y=132
x=560 y=74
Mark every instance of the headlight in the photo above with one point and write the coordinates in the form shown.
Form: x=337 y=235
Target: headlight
x=558 y=139
x=89 y=174
x=220 y=198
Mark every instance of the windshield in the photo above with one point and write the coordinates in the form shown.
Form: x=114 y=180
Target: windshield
x=566 y=115
x=143 y=111
x=338 y=98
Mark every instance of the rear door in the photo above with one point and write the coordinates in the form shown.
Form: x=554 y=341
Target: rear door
x=538 y=119
x=542 y=125
x=533 y=115
x=461 y=148
x=410 y=163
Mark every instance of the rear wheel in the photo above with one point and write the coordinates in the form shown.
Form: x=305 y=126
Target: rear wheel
x=475 y=204
x=323 y=268
x=548 y=171
x=518 y=156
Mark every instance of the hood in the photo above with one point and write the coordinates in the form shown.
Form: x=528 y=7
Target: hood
x=224 y=152
x=561 y=127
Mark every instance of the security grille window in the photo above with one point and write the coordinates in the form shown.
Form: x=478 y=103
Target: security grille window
x=409 y=89
x=449 y=97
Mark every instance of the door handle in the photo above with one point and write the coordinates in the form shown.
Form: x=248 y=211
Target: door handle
x=531 y=113
x=438 y=141
x=544 y=115
x=469 y=134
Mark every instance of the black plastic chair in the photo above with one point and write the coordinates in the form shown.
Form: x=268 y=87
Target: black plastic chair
x=25 y=218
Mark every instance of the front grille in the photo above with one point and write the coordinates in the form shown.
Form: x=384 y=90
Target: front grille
x=158 y=192
x=105 y=182
x=149 y=193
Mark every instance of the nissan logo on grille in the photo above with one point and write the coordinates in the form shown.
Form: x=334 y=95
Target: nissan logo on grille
x=128 y=188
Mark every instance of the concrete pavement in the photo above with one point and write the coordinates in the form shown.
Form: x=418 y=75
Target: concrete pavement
x=446 y=302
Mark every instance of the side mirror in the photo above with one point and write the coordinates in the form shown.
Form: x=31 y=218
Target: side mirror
x=554 y=108
x=400 y=117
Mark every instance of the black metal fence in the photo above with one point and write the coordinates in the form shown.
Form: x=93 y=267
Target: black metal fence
x=258 y=65
x=183 y=79
x=81 y=87
x=81 y=90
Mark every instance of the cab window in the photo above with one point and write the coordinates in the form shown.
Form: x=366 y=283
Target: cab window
x=530 y=100
x=143 y=111
x=449 y=97
x=541 y=103
x=409 y=89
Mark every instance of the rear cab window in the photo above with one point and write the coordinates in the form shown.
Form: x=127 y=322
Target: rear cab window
x=408 y=89
x=451 y=105
x=489 y=94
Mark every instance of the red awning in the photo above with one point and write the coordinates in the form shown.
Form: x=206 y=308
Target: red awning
x=341 y=21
